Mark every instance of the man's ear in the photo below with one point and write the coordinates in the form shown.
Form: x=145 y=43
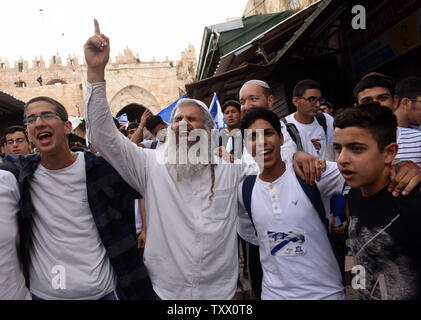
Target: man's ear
x=271 y=101
x=295 y=101
x=404 y=104
x=67 y=127
x=390 y=152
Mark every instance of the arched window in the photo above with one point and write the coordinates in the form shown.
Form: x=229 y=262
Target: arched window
x=20 y=84
x=56 y=82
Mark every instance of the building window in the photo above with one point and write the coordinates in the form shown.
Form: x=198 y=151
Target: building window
x=20 y=66
x=38 y=63
x=20 y=84
x=3 y=66
x=56 y=82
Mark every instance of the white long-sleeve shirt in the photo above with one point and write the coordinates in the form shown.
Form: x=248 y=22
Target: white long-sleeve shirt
x=191 y=246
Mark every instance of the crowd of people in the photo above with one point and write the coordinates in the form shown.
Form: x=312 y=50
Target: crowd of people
x=159 y=212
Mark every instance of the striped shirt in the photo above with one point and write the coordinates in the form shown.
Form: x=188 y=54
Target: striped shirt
x=409 y=141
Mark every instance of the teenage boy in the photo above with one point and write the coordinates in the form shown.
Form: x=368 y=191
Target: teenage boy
x=295 y=252
x=315 y=129
x=16 y=141
x=384 y=230
x=381 y=89
x=408 y=91
x=76 y=221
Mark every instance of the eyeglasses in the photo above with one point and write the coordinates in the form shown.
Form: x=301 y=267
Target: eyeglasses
x=414 y=100
x=314 y=100
x=18 y=141
x=44 y=116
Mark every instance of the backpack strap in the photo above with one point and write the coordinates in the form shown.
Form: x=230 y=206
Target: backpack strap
x=247 y=190
x=313 y=194
x=293 y=132
x=321 y=119
x=154 y=144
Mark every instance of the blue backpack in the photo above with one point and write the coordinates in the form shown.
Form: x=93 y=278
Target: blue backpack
x=312 y=193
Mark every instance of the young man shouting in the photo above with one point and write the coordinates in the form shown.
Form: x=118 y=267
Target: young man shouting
x=297 y=258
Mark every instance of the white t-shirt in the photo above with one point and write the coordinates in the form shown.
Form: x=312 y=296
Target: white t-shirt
x=66 y=242
x=138 y=216
x=313 y=136
x=295 y=252
x=409 y=142
x=244 y=228
x=12 y=282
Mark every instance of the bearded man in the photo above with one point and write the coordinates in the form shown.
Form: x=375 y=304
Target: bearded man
x=191 y=202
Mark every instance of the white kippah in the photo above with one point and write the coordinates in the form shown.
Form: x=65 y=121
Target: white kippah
x=258 y=82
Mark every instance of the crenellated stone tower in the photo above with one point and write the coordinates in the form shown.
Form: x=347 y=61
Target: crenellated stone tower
x=130 y=81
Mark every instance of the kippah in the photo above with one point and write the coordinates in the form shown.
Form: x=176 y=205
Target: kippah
x=259 y=83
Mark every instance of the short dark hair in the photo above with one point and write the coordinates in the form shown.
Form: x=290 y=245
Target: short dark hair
x=13 y=129
x=380 y=121
x=153 y=121
x=256 y=113
x=117 y=124
x=409 y=88
x=132 y=125
x=304 y=85
x=124 y=132
x=2 y=141
x=60 y=109
x=231 y=103
x=372 y=81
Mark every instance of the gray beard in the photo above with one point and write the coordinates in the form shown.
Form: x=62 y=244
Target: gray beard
x=186 y=171
x=183 y=170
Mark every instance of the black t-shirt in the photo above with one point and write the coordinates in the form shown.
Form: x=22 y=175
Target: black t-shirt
x=385 y=237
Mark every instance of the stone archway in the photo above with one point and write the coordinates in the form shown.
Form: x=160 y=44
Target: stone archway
x=134 y=95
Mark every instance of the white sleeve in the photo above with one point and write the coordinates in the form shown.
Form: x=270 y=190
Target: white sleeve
x=126 y=157
x=147 y=143
x=289 y=147
x=330 y=129
x=245 y=228
x=332 y=182
x=9 y=187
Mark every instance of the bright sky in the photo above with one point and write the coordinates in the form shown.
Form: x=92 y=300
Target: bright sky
x=156 y=28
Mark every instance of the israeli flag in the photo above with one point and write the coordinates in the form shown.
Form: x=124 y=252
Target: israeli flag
x=123 y=118
x=165 y=114
x=216 y=113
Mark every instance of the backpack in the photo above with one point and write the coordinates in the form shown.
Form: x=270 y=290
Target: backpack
x=312 y=192
x=295 y=134
x=154 y=144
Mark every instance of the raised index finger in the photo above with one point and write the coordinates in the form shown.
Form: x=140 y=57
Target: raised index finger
x=97 y=31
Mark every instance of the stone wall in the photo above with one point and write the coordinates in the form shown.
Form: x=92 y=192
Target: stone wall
x=154 y=84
